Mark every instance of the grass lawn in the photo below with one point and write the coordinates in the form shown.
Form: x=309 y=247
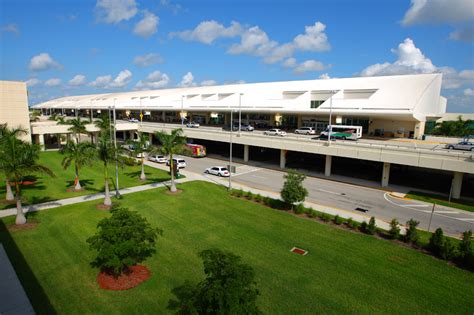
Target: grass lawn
x=462 y=204
x=343 y=273
x=92 y=179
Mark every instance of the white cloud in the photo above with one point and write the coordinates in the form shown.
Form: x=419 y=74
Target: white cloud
x=324 y=76
x=32 y=82
x=467 y=74
x=314 y=39
x=208 y=82
x=439 y=11
x=115 y=11
x=147 y=26
x=105 y=81
x=468 y=92
x=147 y=60
x=253 y=41
x=43 y=62
x=52 y=82
x=309 y=65
x=78 y=80
x=155 y=80
x=465 y=34
x=289 y=63
x=187 y=80
x=208 y=31
x=11 y=28
x=171 y=6
x=410 y=60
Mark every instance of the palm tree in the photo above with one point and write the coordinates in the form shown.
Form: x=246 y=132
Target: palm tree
x=140 y=146
x=18 y=159
x=106 y=153
x=6 y=134
x=35 y=115
x=78 y=126
x=171 y=144
x=79 y=154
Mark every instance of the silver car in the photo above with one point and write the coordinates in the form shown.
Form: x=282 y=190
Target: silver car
x=305 y=131
x=275 y=132
x=463 y=145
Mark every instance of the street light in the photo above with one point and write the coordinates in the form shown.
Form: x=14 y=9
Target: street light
x=240 y=112
x=330 y=118
x=182 y=114
x=117 y=193
x=230 y=149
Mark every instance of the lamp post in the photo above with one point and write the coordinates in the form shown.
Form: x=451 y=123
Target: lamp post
x=182 y=114
x=240 y=113
x=431 y=217
x=117 y=193
x=230 y=150
x=330 y=118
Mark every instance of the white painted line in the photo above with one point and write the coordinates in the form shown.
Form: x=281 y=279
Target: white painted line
x=466 y=219
x=405 y=206
x=329 y=192
x=243 y=173
x=446 y=212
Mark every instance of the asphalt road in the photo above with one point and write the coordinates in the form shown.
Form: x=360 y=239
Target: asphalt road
x=348 y=197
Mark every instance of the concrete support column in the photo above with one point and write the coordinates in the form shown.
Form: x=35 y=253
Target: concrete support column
x=132 y=135
x=124 y=135
x=41 y=141
x=282 y=158
x=150 y=138
x=246 y=153
x=327 y=168
x=300 y=121
x=457 y=185
x=385 y=174
x=419 y=130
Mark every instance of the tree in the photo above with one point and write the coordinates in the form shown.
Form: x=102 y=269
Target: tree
x=371 y=227
x=455 y=128
x=79 y=154
x=411 y=235
x=35 y=115
x=229 y=287
x=123 y=240
x=19 y=159
x=171 y=144
x=466 y=250
x=394 y=231
x=107 y=154
x=6 y=136
x=139 y=147
x=436 y=242
x=78 y=126
x=293 y=190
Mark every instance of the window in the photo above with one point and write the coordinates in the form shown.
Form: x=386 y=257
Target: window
x=316 y=103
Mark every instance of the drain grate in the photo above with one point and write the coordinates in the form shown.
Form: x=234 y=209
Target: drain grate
x=361 y=209
x=299 y=251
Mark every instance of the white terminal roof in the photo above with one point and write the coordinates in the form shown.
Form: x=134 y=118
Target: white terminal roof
x=401 y=97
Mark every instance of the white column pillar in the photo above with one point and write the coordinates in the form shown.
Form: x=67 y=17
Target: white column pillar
x=41 y=141
x=282 y=158
x=419 y=130
x=124 y=135
x=327 y=168
x=385 y=174
x=150 y=138
x=163 y=117
x=246 y=153
x=457 y=185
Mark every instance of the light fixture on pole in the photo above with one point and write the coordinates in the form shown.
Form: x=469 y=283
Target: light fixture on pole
x=431 y=217
x=330 y=118
x=240 y=112
x=182 y=113
x=117 y=192
x=230 y=150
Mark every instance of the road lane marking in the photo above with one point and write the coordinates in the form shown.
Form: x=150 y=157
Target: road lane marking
x=329 y=192
x=466 y=219
x=405 y=206
x=441 y=211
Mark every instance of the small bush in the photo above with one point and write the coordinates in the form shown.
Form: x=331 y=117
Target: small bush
x=311 y=213
x=371 y=227
x=130 y=161
x=299 y=209
x=448 y=250
x=394 y=232
x=249 y=195
x=239 y=193
x=258 y=198
x=363 y=227
x=325 y=217
x=411 y=235
x=465 y=247
x=350 y=223
x=437 y=241
x=338 y=220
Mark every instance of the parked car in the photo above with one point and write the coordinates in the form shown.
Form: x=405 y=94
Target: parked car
x=463 y=145
x=192 y=124
x=141 y=155
x=305 y=131
x=220 y=171
x=246 y=127
x=133 y=120
x=157 y=158
x=179 y=162
x=227 y=128
x=275 y=132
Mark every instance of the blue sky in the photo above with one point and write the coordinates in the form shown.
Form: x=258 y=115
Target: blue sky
x=80 y=47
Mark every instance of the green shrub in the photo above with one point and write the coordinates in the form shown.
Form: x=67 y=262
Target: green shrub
x=239 y=193
x=394 y=232
x=325 y=217
x=311 y=213
x=258 y=198
x=363 y=227
x=350 y=223
x=411 y=235
x=293 y=190
x=123 y=240
x=465 y=246
x=448 y=250
x=130 y=161
x=249 y=195
x=371 y=227
x=299 y=209
x=437 y=241
x=338 y=220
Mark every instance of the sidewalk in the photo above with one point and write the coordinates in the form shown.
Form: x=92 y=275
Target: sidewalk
x=70 y=201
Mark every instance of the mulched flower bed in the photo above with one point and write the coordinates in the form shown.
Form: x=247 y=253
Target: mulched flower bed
x=101 y=206
x=178 y=191
x=22 y=227
x=24 y=183
x=71 y=189
x=127 y=280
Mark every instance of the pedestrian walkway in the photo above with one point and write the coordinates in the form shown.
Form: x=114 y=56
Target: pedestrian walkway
x=13 y=299
x=70 y=201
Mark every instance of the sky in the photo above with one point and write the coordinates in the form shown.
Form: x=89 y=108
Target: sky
x=75 y=47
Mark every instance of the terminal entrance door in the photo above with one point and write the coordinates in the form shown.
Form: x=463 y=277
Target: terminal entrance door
x=356 y=121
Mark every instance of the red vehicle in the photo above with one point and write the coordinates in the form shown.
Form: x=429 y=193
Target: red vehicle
x=196 y=150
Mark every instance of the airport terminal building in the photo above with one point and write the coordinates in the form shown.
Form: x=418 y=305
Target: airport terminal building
x=385 y=106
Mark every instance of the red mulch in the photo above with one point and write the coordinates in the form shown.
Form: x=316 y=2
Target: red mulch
x=71 y=189
x=299 y=251
x=127 y=280
x=21 y=227
x=24 y=183
x=178 y=191
x=101 y=206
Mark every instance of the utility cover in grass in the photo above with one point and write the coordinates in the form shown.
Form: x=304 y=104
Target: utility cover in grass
x=299 y=251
